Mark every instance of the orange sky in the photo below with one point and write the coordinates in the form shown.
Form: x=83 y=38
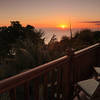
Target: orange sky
x=51 y=13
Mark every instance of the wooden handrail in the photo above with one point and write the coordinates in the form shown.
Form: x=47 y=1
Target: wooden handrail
x=85 y=50
x=30 y=74
x=24 y=78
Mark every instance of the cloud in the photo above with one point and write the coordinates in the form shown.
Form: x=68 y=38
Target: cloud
x=95 y=22
x=98 y=24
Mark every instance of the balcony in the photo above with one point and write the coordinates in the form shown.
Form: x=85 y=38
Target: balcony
x=53 y=80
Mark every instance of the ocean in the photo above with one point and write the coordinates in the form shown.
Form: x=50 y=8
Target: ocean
x=59 y=33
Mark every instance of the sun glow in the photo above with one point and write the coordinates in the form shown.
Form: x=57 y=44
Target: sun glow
x=63 y=26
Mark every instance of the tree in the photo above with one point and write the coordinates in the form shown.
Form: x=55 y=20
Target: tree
x=24 y=45
x=64 y=42
x=8 y=37
x=54 y=48
x=16 y=32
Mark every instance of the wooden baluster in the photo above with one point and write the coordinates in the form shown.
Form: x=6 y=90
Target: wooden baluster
x=53 y=88
x=13 y=94
x=45 y=84
x=36 y=88
x=26 y=91
x=59 y=82
x=66 y=82
x=70 y=54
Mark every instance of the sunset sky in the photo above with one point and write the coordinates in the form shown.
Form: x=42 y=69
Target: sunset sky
x=51 y=13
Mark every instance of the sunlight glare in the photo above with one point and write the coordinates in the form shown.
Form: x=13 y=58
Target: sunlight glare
x=63 y=26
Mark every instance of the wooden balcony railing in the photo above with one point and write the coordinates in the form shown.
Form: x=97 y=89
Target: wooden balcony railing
x=53 y=80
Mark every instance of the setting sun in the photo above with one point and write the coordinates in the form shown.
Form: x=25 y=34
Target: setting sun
x=63 y=26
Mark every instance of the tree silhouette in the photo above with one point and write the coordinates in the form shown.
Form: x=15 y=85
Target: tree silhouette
x=26 y=44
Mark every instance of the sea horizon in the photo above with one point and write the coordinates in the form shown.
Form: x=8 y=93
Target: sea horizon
x=48 y=32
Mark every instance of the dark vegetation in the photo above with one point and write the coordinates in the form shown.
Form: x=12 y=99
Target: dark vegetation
x=22 y=48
